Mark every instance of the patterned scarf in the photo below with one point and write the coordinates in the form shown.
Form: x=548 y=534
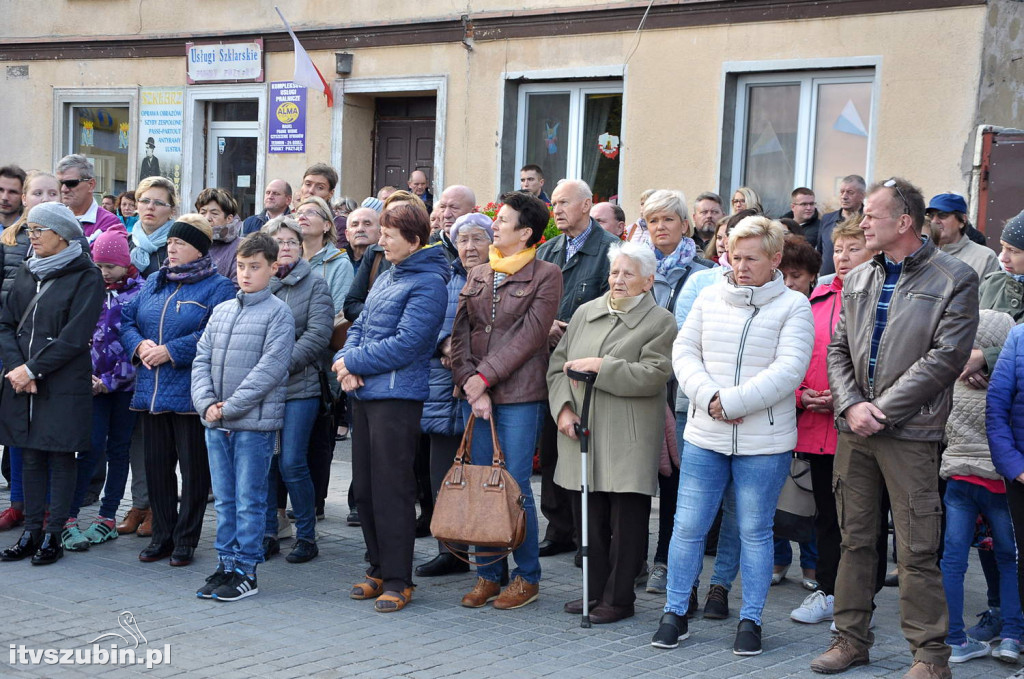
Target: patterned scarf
x=681 y=256
x=193 y=272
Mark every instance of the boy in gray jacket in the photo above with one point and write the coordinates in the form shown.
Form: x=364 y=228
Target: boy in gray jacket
x=239 y=383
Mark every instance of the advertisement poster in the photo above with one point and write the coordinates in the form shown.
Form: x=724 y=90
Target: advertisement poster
x=287 y=118
x=161 y=113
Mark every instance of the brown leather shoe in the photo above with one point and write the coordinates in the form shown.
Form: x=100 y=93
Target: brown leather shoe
x=146 y=527
x=605 y=614
x=926 y=670
x=482 y=593
x=132 y=520
x=518 y=593
x=575 y=607
x=842 y=654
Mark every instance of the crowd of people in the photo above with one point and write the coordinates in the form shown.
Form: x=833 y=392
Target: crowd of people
x=876 y=344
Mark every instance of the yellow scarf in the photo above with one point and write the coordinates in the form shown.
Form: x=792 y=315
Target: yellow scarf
x=513 y=263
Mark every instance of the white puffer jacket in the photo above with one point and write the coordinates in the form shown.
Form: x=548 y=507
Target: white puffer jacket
x=751 y=346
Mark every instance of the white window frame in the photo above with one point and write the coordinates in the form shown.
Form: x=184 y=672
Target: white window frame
x=577 y=95
x=803 y=166
x=194 y=135
x=63 y=129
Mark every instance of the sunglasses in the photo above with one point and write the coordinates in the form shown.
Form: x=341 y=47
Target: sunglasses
x=72 y=183
x=891 y=184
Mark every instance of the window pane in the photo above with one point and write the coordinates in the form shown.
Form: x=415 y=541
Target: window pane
x=547 y=127
x=602 y=125
x=770 y=145
x=842 y=126
x=101 y=134
x=235 y=111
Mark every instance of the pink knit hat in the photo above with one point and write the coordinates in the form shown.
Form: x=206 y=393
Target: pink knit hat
x=111 y=248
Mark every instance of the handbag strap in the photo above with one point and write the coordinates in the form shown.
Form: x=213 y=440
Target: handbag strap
x=466 y=447
x=32 y=304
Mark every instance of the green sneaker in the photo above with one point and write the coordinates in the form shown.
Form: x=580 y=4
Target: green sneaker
x=100 y=532
x=73 y=539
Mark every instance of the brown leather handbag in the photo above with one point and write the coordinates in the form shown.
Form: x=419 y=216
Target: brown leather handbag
x=479 y=505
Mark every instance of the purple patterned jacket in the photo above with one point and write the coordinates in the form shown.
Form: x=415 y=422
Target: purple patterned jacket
x=110 y=362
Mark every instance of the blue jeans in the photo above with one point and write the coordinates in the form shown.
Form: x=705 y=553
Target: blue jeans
x=808 y=554
x=112 y=426
x=17 y=490
x=727 y=558
x=239 y=464
x=518 y=426
x=705 y=474
x=964 y=501
x=291 y=467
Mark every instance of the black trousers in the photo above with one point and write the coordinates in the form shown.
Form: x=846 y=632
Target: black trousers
x=174 y=440
x=320 y=456
x=555 y=501
x=60 y=470
x=616 y=542
x=442 y=454
x=826 y=525
x=384 y=439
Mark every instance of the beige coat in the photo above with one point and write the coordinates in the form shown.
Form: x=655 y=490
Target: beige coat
x=627 y=412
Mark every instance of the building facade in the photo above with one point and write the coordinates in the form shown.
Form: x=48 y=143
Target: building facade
x=690 y=94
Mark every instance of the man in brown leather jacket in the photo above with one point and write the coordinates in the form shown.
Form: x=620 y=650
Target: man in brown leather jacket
x=907 y=326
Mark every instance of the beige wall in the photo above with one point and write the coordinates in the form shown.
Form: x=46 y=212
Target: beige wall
x=672 y=127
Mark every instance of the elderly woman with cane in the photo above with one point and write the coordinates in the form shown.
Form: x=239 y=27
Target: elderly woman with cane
x=739 y=356
x=624 y=337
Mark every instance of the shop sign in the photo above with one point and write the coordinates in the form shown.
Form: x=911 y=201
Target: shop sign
x=224 y=62
x=161 y=114
x=287 y=118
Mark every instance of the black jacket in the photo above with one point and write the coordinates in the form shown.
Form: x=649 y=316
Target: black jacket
x=54 y=342
x=585 y=276
x=12 y=257
x=360 y=288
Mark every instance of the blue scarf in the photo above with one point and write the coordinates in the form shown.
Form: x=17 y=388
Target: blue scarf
x=682 y=256
x=147 y=244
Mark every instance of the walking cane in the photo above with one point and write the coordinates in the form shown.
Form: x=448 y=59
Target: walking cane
x=583 y=433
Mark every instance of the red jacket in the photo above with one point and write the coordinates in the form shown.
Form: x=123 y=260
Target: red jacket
x=816 y=432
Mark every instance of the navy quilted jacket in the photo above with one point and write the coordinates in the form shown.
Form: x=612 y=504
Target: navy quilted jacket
x=441 y=411
x=1004 y=407
x=172 y=314
x=391 y=342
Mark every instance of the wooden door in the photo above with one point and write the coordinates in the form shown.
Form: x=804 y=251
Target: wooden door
x=403 y=141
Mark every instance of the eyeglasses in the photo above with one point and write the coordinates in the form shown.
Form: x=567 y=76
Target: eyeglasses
x=153 y=201
x=37 y=232
x=891 y=184
x=73 y=183
x=287 y=243
x=739 y=201
x=309 y=213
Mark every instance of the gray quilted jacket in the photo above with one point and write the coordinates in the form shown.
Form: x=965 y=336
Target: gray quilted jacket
x=967 y=452
x=242 y=359
x=307 y=295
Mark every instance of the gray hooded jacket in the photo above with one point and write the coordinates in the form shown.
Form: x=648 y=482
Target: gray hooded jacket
x=307 y=295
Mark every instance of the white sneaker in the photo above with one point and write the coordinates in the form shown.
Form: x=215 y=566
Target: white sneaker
x=284 y=526
x=817 y=607
x=871 y=625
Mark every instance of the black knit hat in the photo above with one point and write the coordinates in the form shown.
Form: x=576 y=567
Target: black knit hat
x=200 y=239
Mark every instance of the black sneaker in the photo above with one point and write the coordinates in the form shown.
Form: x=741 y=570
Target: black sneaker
x=271 y=546
x=303 y=551
x=213 y=582
x=353 y=518
x=238 y=586
x=671 y=630
x=748 y=638
x=716 y=606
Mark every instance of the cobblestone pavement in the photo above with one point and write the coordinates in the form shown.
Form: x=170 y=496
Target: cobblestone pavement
x=302 y=623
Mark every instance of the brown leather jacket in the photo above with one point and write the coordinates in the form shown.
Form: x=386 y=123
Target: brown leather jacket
x=510 y=351
x=933 y=317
